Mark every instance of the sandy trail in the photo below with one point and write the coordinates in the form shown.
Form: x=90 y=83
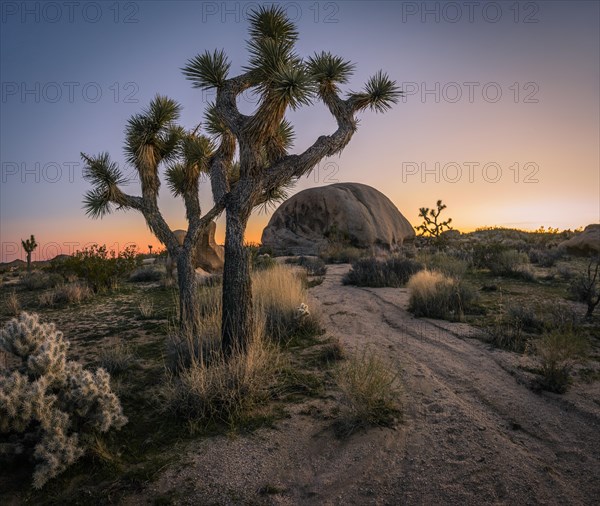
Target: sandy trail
x=472 y=433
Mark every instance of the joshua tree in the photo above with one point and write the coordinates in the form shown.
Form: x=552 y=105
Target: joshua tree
x=281 y=80
x=431 y=225
x=29 y=245
x=150 y=248
x=152 y=140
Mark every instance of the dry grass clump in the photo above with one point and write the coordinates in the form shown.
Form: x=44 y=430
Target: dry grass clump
x=12 y=303
x=281 y=299
x=213 y=389
x=69 y=293
x=146 y=308
x=117 y=357
x=434 y=295
x=558 y=352
x=371 y=393
x=203 y=386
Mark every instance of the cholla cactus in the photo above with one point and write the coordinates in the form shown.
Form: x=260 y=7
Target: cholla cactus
x=50 y=400
x=303 y=310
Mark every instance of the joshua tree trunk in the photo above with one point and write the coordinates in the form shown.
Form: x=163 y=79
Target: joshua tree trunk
x=189 y=315
x=29 y=261
x=237 y=322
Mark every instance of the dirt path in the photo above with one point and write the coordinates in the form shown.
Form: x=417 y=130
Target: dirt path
x=472 y=433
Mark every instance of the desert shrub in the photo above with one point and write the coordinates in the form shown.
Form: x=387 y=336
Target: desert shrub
x=371 y=393
x=435 y=295
x=41 y=280
x=280 y=297
x=68 y=293
x=511 y=263
x=331 y=352
x=217 y=390
x=52 y=406
x=515 y=328
x=446 y=264
x=100 y=268
x=585 y=287
x=341 y=253
x=545 y=257
x=558 y=352
x=146 y=275
x=263 y=261
x=565 y=272
x=13 y=306
x=510 y=330
x=314 y=266
x=393 y=272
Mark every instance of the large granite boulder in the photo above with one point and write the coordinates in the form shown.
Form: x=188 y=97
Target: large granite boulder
x=585 y=243
x=209 y=255
x=351 y=212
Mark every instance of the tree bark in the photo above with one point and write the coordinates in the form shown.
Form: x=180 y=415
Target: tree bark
x=237 y=322
x=189 y=314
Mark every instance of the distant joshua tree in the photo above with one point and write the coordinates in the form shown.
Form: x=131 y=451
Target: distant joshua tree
x=29 y=245
x=431 y=226
x=150 y=248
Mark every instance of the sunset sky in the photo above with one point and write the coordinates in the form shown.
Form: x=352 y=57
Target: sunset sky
x=501 y=117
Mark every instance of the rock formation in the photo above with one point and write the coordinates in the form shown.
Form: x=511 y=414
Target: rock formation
x=585 y=243
x=344 y=212
x=209 y=255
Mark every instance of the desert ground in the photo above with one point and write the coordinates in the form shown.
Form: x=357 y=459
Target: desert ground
x=473 y=426
x=472 y=431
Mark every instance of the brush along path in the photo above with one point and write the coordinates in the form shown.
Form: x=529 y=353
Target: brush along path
x=472 y=433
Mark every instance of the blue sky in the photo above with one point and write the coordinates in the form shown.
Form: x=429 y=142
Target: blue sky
x=501 y=118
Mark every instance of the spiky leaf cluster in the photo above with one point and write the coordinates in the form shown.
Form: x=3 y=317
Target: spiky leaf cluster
x=50 y=400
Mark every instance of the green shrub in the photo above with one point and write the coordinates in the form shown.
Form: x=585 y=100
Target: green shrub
x=510 y=330
x=509 y=263
x=558 y=352
x=393 y=272
x=102 y=270
x=50 y=405
x=41 y=280
x=434 y=295
x=545 y=257
x=263 y=261
x=371 y=393
x=146 y=275
x=446 y=264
